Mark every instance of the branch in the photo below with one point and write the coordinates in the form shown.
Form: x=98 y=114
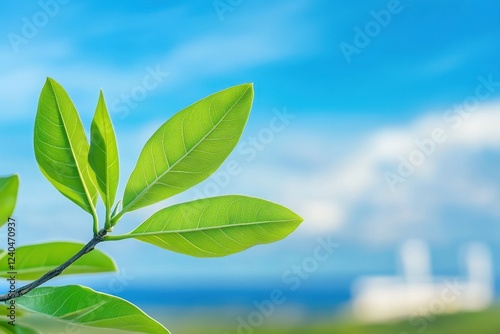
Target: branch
x=57 y=271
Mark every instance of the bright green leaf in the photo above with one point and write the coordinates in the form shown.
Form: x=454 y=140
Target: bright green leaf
x=189 y=147
x=35 y=260
x=217 y=226
x=81 y=306
x=61 y=147
x=103 y=156
x=8 y=196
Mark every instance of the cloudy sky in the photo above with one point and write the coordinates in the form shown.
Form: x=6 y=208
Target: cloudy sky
x=376 y=121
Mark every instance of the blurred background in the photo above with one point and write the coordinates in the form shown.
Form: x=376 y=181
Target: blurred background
x=378 y=122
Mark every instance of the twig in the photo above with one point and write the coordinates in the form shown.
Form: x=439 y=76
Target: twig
x=57 y=271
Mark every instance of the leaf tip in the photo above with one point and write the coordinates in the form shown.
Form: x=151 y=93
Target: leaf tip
x=48 y=83
x=248 y=85
x=50 y=80
x=51 y=83
x=295 y=218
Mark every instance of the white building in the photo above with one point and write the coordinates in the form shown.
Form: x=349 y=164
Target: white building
x=418 y=293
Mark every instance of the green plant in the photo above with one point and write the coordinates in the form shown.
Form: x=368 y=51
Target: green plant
x=184 y=151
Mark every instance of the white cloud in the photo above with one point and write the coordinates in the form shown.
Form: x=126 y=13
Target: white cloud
x=350 y=195
x=480 y=129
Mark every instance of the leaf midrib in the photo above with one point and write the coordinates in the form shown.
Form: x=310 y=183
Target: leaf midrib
x=77 y=163
x=90 y=323
x=132 y=234
x=105 y=150
x=131 y=204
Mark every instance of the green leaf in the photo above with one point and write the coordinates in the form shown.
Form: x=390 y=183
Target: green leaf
x=33 y=261
x=8 y=196
x=5 y=311
x=103 y=156
x=81 y=306
x=7 y=328
x=217 y=226
x=189 y=147
x=61 y=147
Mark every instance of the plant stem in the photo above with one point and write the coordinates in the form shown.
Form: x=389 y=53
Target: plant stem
x=57 y=271
x=118 y=237
x=95 y=221
x=116 y=217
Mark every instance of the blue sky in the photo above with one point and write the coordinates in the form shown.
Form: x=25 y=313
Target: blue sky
x=351 y=121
